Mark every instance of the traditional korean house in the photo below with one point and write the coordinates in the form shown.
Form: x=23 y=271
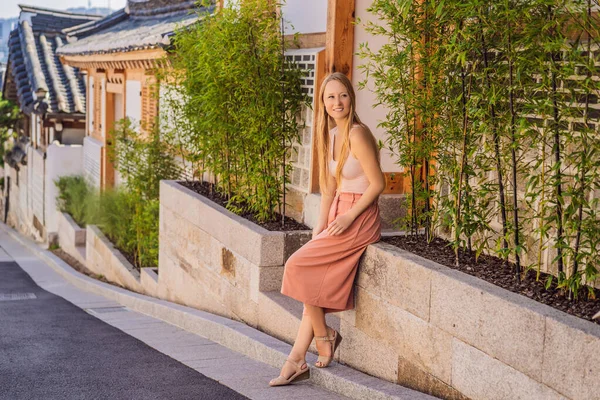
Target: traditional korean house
x=119 y=55
x=51 y=97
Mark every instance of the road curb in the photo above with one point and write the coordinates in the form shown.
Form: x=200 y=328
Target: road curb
x=231 y=334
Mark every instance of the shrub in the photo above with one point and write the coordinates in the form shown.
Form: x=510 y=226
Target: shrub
x=74 y=196
x=127 y=219
x=238 y=120
x=491 y=110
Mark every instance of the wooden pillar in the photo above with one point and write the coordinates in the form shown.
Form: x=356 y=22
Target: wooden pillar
x=320 y=73
x=339 y=39
x=108 y=170
x=337 y=57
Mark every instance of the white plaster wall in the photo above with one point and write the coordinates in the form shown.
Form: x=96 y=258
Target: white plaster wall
x=92 y=157
x=37 y=169
x=72 y=136
x=133 y=101
x=90 y=109
x=365 y=99
x=103 y=107
x=23 y=213
x=61 y=160
x=305 y=16
x=118 y=102
x=28 y=211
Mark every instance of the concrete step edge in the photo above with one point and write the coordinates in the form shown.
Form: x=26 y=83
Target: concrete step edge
x=232 y=334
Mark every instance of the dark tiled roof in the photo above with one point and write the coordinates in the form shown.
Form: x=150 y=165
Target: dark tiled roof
x=141 y=25
x=34 y=67
x=54 y=21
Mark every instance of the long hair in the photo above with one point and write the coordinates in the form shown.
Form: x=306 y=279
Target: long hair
x=324 y=123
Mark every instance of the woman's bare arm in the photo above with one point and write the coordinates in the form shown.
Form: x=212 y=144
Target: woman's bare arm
x=326 y=200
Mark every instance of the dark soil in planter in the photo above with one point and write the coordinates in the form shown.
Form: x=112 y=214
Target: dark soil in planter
x=129 y=256
x=206 y=189
x=492 y=270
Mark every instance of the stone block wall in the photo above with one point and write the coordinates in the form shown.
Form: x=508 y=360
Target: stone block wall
x=214 y=260
x=71 y=236
x=416 y=323
x=437 y=330
x=103 y=259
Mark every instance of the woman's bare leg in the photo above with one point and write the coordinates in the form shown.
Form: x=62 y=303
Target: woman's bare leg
x=317 y=317
x=303 y=339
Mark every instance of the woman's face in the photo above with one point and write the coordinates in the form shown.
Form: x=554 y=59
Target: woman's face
x=337 y=100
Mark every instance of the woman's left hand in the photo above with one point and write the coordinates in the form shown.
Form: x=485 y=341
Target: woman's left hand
x=340 y=224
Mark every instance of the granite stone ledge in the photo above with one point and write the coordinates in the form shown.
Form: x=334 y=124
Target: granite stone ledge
x=479 y=376
x=572 y=358
x=71 y=236
x=104 y=259
x=258 y=245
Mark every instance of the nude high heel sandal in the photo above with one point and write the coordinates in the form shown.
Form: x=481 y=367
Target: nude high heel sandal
x=299 y=375
x=334 y=342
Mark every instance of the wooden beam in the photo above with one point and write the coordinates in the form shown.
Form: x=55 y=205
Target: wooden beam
x=305 y=40
x=149 y=54
x=114 y=88
x=339 y=40
x=108 y=178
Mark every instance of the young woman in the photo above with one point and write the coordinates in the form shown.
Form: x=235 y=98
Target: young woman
x=321 y=273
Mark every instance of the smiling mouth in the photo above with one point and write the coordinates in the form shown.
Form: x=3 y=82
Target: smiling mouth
x=338 y=109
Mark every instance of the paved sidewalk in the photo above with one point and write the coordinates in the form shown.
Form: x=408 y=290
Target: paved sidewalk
x=228 y=351
x=234 y=370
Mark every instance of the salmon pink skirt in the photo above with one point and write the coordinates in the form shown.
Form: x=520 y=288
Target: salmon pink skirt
x=321 y=273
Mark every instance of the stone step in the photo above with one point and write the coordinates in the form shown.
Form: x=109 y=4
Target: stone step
x=280 y=316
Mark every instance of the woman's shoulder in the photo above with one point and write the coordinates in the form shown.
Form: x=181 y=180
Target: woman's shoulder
x=359 y=133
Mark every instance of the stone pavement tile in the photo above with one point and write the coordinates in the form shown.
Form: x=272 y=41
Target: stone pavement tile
x=93 y=303
x=141 y=326
x=129 y=321
x=251 y=378
x=239 y=368
x=4 y=257
x=75 y=295
x=186 y=349
x=161 y=334
x=206 y=352
x=294 y=391
x=182 y=344
x=225 y=362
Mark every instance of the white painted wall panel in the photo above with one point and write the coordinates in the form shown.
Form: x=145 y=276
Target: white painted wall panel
x=118 y=106
x=90 y=109
x=133 y=101
x=23 y=214
x=92 y=156
x=365 y=98
x=305 y=16
x=61 y=160
x=118 y=101
x=29 y=184
x=72 y=136
x=103 y=107
x=37 y=185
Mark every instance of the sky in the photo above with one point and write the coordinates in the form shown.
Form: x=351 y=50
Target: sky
x=10 y=8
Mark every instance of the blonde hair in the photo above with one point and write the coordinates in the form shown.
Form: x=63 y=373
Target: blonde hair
x=324 y=121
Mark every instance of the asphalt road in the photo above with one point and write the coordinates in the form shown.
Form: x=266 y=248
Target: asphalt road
x=51 y=349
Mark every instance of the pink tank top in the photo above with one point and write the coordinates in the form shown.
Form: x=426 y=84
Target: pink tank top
x=354 y=179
